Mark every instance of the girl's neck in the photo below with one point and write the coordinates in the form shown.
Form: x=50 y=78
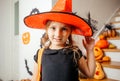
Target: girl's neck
x=56 y=47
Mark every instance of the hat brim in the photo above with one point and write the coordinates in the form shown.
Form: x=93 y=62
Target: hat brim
x=81 y=27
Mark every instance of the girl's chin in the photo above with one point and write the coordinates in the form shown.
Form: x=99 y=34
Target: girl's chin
x=58 y=44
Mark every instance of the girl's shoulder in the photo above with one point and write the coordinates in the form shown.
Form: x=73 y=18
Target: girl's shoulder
x=36 y=56
x=77 y=52
x=73 y=48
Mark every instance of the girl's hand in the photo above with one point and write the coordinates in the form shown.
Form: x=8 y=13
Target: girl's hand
x=88 y=43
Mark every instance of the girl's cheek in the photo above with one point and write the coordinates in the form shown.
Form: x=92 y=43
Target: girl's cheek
x=66 y=33
x=49 y=32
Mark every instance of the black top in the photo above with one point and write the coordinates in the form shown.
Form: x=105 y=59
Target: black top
x=58 y=65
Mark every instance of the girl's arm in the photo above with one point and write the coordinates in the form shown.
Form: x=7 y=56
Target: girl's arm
x=35 y=73
x=87 y=66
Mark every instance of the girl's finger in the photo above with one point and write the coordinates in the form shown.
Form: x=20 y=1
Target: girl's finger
x=87 y=38
x=84 y=42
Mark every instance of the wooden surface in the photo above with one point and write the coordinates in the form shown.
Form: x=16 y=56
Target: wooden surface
x=97 y=80
x=111 y=64
x=116 y=22
x=117 y=28
x=111 y=50
x=114 y=38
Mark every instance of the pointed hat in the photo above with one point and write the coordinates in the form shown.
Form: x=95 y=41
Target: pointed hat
x=61 y=12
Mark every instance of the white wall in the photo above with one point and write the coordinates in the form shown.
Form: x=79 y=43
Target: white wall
x=101 y=10
x=5 y=39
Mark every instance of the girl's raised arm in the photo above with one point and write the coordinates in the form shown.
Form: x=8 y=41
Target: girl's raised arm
x=87 y=66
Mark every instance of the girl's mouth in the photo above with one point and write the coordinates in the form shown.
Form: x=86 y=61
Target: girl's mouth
x=57 y=39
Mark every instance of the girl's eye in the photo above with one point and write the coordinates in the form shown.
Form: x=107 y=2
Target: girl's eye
x=53 y=28
x=64 y=29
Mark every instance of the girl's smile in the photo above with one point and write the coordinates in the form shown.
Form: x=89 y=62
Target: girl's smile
x=58 y=34
x=57 y=39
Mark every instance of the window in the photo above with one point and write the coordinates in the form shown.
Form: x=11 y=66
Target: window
x=16 y=25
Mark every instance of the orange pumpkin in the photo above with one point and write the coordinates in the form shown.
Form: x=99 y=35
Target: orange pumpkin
x=26 y=38
x=106 y=59
x=101 y=37
x=98 y=53
x=102 y=43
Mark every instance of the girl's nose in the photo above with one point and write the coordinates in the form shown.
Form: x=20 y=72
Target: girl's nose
x=58 y=33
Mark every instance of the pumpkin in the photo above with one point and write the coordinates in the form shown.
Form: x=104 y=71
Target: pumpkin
x=101 y=37
x=26 y=37
x=111 y=33
x=99 y=73
x=102 y=43
x=105 y=33
x=106 y=59
x=98 y=53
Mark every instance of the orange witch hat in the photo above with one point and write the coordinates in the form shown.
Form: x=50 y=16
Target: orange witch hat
x=61 y=12
x=63 y=6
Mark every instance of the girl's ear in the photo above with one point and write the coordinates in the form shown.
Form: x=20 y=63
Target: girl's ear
x=44 y=39
x=67 y=42
x=70 y=40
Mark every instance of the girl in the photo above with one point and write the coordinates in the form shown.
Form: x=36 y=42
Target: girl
x=61 y=59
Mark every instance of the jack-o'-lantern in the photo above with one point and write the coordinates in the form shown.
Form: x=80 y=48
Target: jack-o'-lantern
x=98 y=53
x=26 y=38
x=99 y=73
x=102 y=43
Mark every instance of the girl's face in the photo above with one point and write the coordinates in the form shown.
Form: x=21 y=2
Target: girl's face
x=58 y=34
